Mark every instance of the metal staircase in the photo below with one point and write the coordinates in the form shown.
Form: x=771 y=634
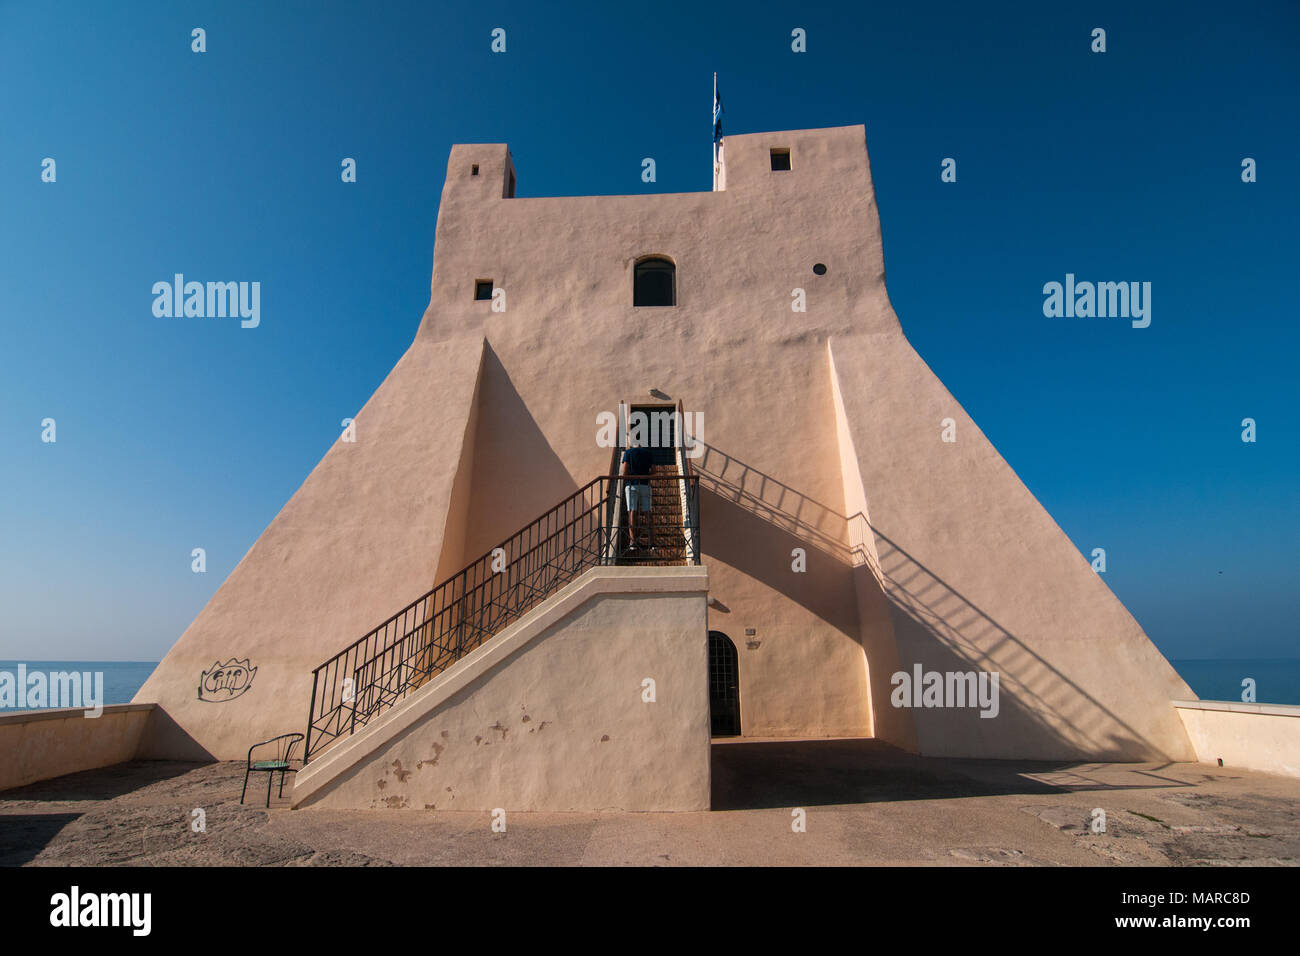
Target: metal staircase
x=588 y=529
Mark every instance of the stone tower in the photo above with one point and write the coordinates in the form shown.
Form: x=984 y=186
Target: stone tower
x=845 y=540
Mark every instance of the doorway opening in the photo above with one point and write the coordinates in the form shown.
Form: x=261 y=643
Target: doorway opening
x=656 y=426
x=724 y=686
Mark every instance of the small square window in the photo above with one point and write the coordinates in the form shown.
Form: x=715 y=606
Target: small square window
x=781 y=159
x=473 y=170
x=483 y=289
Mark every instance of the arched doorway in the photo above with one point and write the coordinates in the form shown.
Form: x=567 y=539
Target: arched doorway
x=724 y=686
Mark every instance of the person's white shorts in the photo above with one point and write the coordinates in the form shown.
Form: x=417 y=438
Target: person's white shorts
x=638 y=497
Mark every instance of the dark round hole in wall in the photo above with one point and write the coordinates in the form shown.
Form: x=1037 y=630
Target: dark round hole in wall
x=819 y=269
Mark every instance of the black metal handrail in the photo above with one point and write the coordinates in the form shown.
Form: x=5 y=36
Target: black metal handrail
x=457 y=616
x=691 y=503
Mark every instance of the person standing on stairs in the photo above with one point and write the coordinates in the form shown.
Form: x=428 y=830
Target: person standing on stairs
x=638 y=460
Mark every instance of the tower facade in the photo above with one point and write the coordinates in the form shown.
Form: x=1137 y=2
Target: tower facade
x=846 y=541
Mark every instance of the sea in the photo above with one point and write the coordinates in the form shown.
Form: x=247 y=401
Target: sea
x=121 y=678
x=1277 y=680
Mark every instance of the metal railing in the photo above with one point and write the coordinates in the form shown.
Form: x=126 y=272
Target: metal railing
x=431 y=633
x=690 y=504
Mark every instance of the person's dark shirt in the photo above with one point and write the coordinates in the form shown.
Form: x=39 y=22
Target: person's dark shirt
x=638 y=461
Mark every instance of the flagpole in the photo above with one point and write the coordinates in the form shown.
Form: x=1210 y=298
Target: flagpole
x=713 y=106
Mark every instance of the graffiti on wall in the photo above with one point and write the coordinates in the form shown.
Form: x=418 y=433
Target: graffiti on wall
x=226 y=681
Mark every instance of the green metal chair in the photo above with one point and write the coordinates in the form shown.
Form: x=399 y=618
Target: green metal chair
x=279 y=759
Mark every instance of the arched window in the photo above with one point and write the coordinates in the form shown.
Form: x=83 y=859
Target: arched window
x=655 y=283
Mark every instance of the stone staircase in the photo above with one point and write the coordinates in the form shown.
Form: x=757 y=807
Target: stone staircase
x=668 y=534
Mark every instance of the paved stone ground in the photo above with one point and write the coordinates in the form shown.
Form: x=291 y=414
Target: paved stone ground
x=866 y=803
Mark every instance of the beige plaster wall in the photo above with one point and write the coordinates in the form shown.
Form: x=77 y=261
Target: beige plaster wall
x=1263 y=737
x=550 y=714
x=40 y=744
x=874 y=613
x=980 y=577
x=359 y=539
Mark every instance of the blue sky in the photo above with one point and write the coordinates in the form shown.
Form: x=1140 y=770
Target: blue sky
x=1116 y=166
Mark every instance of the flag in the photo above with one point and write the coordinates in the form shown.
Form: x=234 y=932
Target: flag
x=719 y=177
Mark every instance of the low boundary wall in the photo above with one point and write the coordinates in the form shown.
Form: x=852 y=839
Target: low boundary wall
x=1264 y=737
x=40 y=744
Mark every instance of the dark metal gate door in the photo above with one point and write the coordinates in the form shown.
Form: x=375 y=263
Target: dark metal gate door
x=724 y=686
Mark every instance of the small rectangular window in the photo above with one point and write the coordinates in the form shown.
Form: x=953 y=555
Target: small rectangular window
x=654 y=282
x=473 y=170
x=483 y=289
x=781 y=159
